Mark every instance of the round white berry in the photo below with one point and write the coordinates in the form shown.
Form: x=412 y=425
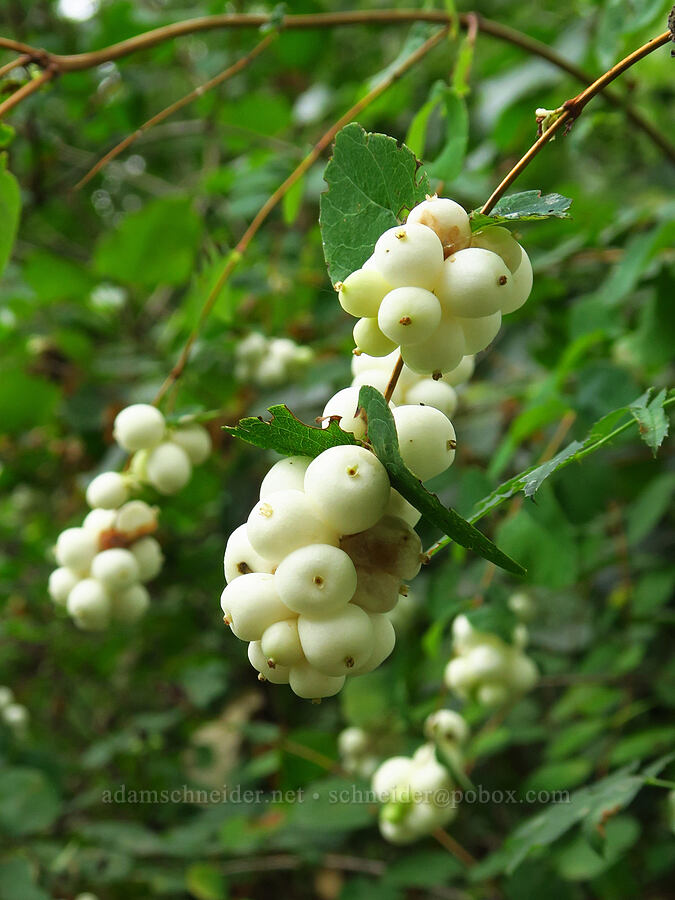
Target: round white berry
x=75 y=548
x=252 y=604
x=131 y=604
x=440 y=353
x=139 y=427
x=461 y=373
x=349 y=487
x=398 y=833
x=369 y=338
x=409 y=315
x=426 y=439
x=393 y=774
x=344 y=405
x=521 y=286
x=61 y=583
x=475 y=282
x=438 y=394
x=376 y=591
x=361 y=293
x=390 y=545
x=241 y=558
x=115 y=569
x=285 y=521
x=464 y=635
x=275 y=673
x=447 y=219
x=339 y=644
x=149 y=557
x=400 y=508
x=310 y=684
x=379 y=379
x=523 y=673
x=136 y=516
x=316 y=580
x=89 y=605
x=409 y=255
x=168 y=468
x=353 y=741
x=99 y=520
x=446 y=725
x=15 y=716
x=487 y=662
x=108 y=490
x=522 y=605
x=500 y=241
x=492 y=694
x=286 y=475
x=480 y=332
x=383 y=642
x=195 y=440
x=459 y=676
x=281 y=643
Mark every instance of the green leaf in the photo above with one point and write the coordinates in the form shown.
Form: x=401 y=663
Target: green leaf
x=523 y=207
x=205 y=882
x=16 y=880
x=154 y=246
x=383 y=438
x=651 y=419
x=28 y=801
x=372 y=180
x=288 y=435
x=10 y=211
x=6 y=134
x=450 y=161
x=462 y=68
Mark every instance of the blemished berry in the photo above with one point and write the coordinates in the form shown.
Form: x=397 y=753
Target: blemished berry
x=338 y=644
x=409 y=255
x=99 y=520
x=168 y=468
x=361 y=293
x=316 y=580
x=426 y=440
x=447 y=219
x=251 y=604
x=370 y=339
x=391 y=545
x=136 y=516
x=107 y=491
x=285 y=521
x=348 y=487
x=409 y=315
x=241 y=558
x=447 y=725
x=475 y=282
x=286 y=475
x=376 y=591
x=139 y=427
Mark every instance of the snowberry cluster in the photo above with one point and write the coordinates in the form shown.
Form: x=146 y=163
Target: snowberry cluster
x=13 y=714
x=104 y=563
x=269 y=362
x=358 y=751
x=313 y=572
x=486 y=668
x=418 y=792
x=434 y=290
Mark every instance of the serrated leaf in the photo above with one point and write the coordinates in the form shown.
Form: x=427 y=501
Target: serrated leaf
x=10 y=211
x=523 y=207
x=384 y=440
x=372 y=181
x=287 y=434
x=651 y=418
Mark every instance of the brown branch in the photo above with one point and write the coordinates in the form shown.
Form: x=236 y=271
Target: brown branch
x=79 y=61
x=571 y=110
x=454 y=847
x=14 y=64
x=262 y=214
x=393 y=380
x=232 y=70
x=25 y=91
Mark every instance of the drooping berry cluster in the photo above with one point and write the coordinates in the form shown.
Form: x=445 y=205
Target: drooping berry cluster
x=434 y=290
x=105 y=563
x=268 y=362
x=313 y=572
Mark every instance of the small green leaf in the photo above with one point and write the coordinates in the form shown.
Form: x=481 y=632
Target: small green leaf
x=10 y=211
x=523 y=207
x=383 y=438
x=372 y=182
x=288 y=435
x=448 y=164
x=6 y=134
x=651 y=419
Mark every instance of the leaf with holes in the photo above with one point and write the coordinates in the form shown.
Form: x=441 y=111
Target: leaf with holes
x=288 y=435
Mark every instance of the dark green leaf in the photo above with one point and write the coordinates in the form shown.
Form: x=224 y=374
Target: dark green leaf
x=288 y=435
x=383 y=438
x=10 y=211
x=16 y=881
x=523 y=207
x=372 y=182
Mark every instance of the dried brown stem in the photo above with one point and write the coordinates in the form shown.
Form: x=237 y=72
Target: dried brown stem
x=393 y=380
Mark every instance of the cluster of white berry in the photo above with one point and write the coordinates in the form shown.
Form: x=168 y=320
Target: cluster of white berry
x=13 y=714
x=358 y=751
x=434 y=289
x=104 y=563
x=417 y=792
x=313 y=572
x=269 y=362
x=486 y=668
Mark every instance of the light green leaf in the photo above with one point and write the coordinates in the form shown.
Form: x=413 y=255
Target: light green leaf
x=205 y=882
x=17 y=881
x=288 y=435
x=372 y=182
x=383 y=438
x=10 y=211
x=523 y=207
x=651 y=419
x=448 y=164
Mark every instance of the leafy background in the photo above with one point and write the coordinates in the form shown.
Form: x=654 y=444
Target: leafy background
x=102 y=290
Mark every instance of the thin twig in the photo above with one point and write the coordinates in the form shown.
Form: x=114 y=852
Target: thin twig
x=571 y=110
x=241 y=247
x=449 y=843
x=393 y=380
x=174 y=107
x=25 y=91
x=79 y=61
x=14 y=64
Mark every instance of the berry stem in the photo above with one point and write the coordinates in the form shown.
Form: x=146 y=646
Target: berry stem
x=395 y=375
x=571 y=110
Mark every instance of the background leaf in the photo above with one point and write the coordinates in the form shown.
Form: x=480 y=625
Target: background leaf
x=10 y=211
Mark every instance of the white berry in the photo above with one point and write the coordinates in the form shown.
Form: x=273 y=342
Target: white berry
x=383 y=642
x=369 y=338
x=241 y=558
x=480 y=332
x=251 y=603
x=310 y=684
x=75 y=548
x=316 y=580
x=168 y=468
x=521 y=286
x=99 y=520
x=136 y=516
x=339 y=644
x=131 y=604
x=286 y=475
x=139 y=427
x=500 y=241
x=409 y=255
x=438 y=394
x=89 y=605
x=475 y=282
x=115 y=569
x=361 y=293
x=426 y=439
x=149 y=557
x=61 y=583
x=195 y=440
x=275 y=674
x=440 y=353
x=447 y=219
x=285 y=521
x=108 y=490
x=281 y=643
x=408 y=315
x=344 y=406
